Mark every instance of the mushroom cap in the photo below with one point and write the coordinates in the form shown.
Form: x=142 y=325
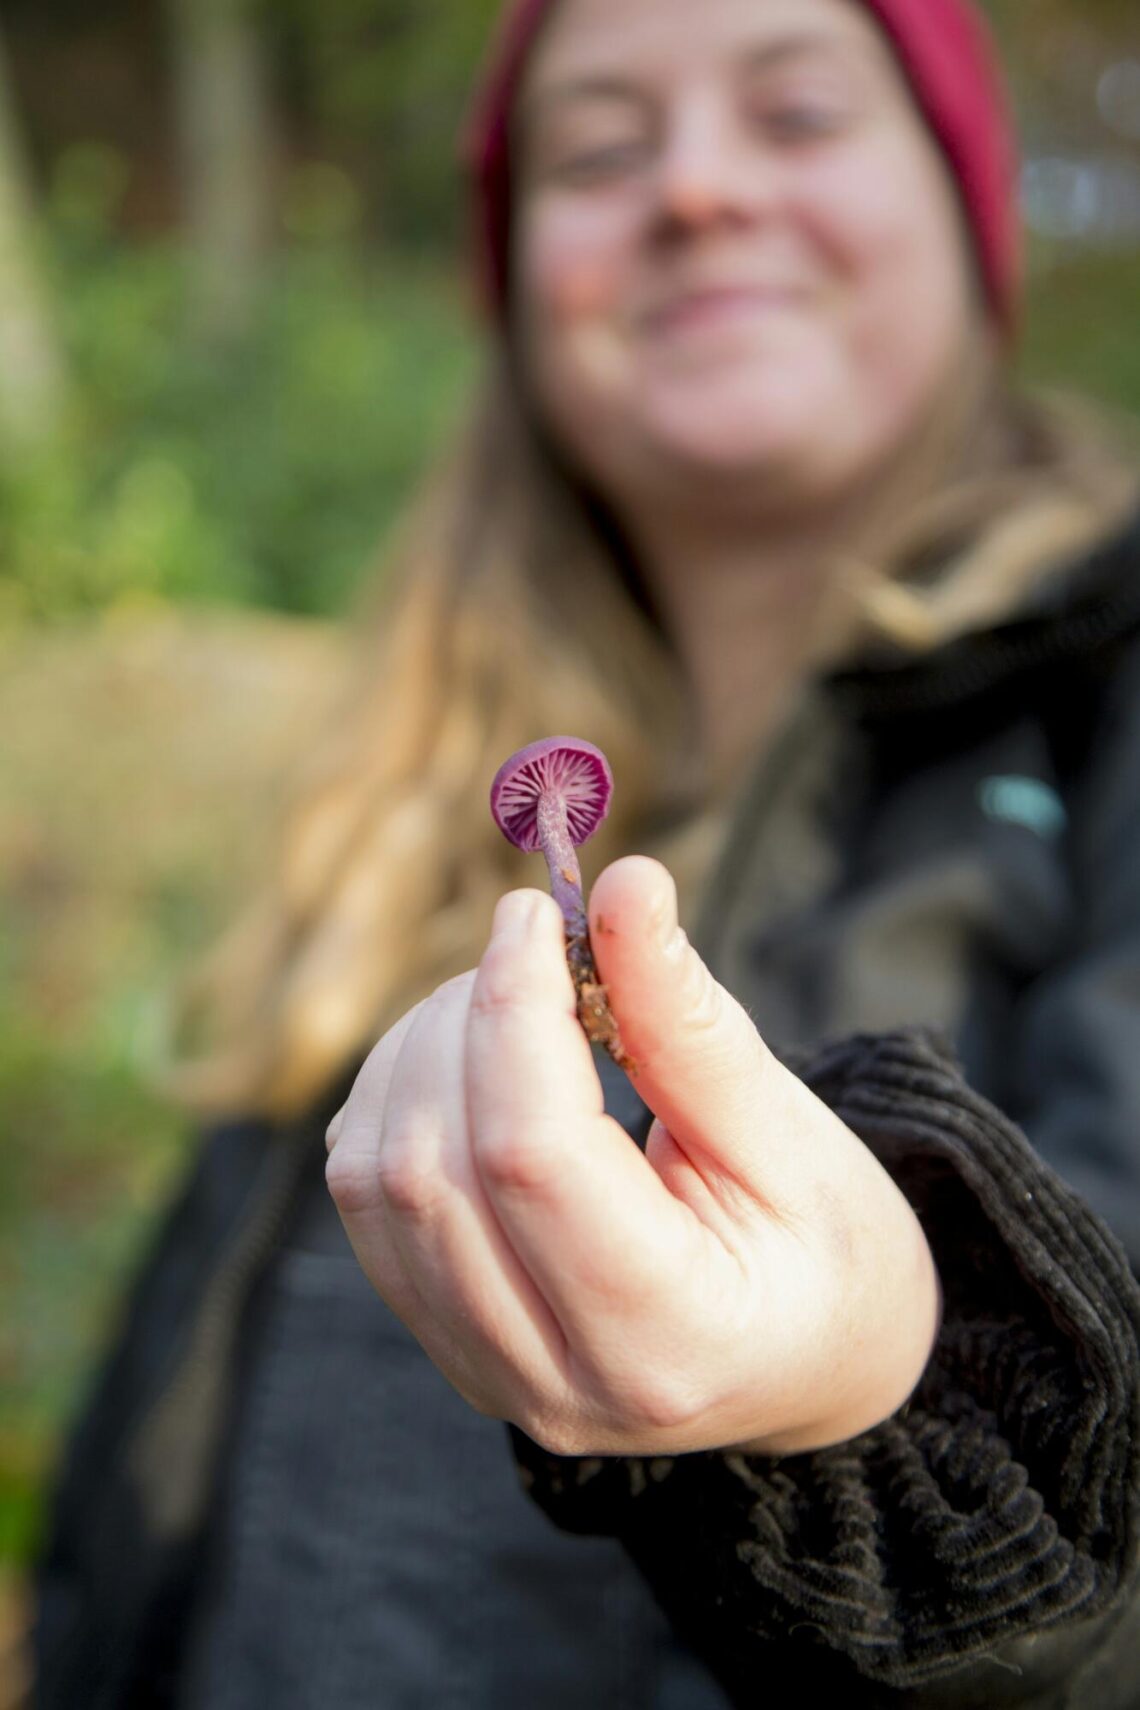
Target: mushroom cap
x=576 y=770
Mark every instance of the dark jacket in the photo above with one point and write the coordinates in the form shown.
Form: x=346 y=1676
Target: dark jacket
x=929 y=901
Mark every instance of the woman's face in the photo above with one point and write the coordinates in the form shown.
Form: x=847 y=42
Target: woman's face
x=740 y=268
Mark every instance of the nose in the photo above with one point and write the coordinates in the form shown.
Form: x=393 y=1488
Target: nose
x=707 y=172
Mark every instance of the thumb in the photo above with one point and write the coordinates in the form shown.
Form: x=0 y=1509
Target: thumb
x=702 y=1067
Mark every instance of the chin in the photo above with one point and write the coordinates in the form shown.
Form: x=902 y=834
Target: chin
x=730 y=451
x=730 y=448
x=752 y=417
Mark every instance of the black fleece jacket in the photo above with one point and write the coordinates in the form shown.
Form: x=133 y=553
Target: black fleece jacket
x=930 y=903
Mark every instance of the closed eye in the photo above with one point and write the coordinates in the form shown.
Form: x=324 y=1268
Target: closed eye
x=595 y=165
x=801 y=123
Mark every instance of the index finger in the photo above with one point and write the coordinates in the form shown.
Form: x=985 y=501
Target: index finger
x=587 y=1214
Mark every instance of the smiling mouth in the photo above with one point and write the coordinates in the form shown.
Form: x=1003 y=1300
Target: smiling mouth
x=715 y=309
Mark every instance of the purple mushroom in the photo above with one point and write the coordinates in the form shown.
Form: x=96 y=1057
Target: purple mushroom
x=552 y=796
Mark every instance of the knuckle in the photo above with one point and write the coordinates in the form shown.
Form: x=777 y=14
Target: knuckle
x=408 y=1186
x=559 y=1436
x=702 y=996
x=512 y=1161
x=498 y=989
x=659 y=1402
x=352 y=1182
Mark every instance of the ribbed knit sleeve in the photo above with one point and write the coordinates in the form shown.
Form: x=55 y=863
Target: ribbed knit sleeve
x=1002 y=1501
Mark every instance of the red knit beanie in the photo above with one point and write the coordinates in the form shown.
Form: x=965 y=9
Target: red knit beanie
x=949 y=58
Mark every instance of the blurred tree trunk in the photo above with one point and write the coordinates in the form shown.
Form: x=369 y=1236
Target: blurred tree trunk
x=227 y=139
x=32 y=367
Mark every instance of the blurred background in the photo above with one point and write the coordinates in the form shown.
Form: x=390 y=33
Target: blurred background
x=235 y=319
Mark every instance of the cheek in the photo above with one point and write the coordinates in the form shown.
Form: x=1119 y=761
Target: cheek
x=572 y=268
x=571 y=262
x=899 y=242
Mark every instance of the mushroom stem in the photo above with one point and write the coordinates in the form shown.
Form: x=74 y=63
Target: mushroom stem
x=553 y=795
x=562 y=861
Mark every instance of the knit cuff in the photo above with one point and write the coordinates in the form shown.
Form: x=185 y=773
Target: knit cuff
x=1002 y=1500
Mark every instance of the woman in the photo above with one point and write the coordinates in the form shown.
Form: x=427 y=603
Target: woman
x=844 y=1365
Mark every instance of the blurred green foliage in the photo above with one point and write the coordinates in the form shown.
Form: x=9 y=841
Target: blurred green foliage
x=266 y=473
x=1081 y=326
x=391 y=81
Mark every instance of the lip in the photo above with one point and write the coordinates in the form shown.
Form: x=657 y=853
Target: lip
x=716 y=306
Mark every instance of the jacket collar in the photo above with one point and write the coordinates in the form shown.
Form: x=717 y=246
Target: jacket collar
x=1094 y=602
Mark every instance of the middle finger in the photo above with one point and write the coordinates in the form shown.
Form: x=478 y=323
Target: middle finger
x=465 y=1271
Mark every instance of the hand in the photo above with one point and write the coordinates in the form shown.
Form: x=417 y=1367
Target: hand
x=755 y=1279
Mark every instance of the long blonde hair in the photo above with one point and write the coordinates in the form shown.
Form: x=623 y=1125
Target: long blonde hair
x=510 y=611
